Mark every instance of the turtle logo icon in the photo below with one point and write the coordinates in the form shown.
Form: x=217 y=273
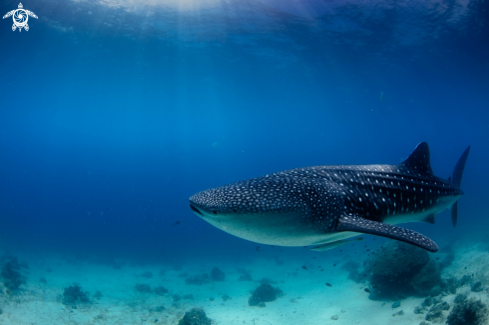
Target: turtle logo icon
x=20 y=17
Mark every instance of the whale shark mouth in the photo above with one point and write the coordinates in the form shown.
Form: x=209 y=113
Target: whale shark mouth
x=197 y=211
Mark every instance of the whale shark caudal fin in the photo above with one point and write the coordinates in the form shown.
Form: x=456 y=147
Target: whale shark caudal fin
x=456 y=179
x=419 y=160
x=358 y=224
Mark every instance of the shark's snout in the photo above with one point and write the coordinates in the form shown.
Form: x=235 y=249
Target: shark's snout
x=253 y=197
x=201 y=204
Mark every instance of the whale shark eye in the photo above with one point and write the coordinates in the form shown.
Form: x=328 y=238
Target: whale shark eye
x=214 y=212
x=234 y=210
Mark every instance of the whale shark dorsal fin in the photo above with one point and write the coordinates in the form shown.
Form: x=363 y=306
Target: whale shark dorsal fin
x=419 y=160
x=358 y=224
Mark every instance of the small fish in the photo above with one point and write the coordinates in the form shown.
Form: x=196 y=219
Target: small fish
x=7 y=291
x=334 y=264
x=328 y=284
x=322 y=270
x=304 y=267
x=366 y=290
x=437 y=258
x=176 y=223
x=257 y=248
x=314 y=257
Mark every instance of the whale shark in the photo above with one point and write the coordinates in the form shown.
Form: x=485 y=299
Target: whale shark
x=321 y=206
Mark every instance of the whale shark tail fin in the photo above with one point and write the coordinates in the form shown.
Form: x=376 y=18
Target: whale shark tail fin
x=457 y=180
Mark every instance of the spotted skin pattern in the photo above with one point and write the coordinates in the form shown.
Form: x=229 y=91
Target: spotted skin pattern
x=352 y=223
x=320 y=202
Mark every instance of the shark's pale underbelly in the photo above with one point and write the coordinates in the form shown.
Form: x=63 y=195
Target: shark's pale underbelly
x=442 y=204
x=276 y=229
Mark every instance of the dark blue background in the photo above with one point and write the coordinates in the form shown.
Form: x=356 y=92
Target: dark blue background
x=108 y=115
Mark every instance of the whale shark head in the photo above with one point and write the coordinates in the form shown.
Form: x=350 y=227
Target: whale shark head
x=257 y=196
x=274 y=209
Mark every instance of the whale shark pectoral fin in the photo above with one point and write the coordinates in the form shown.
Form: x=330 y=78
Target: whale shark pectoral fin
x=359 y=224
x=335 y=244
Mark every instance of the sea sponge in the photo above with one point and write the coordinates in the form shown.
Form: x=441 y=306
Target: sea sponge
x=74 y=294
x=398 y=270
x=12 y=278
x=196 y=316
x=198 y=279
x=217 y=275
x=160 y=291
x=427 y=278
x=142 y=288
x=468 y=312
x=264 y=293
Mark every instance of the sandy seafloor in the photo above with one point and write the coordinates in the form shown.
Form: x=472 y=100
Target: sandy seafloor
x=307 y=299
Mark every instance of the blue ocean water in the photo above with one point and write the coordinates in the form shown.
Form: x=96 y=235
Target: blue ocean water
x=113 y=113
